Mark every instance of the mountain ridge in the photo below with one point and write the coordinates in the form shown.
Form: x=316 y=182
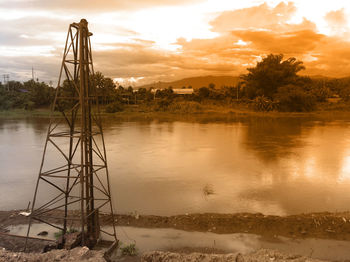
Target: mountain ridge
x=200 y=81
x=195 y=82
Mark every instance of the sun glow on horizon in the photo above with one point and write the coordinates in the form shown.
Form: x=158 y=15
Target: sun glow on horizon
x=128 y=81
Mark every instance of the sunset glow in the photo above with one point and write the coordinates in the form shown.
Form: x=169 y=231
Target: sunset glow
x=149 y=42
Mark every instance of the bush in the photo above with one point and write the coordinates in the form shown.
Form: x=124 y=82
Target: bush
x=58 y=234
x=185 y=107
x=293 y=98
x=5 y=104
x=203 y=92
x=129 y=250
x=263 y=104
x=162 y=104
x=344 y=93
x=114 y=107
x=29 y=105
x=320 y=91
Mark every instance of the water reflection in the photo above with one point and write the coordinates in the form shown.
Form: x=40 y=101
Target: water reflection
x=269 y=165
x=272 y=138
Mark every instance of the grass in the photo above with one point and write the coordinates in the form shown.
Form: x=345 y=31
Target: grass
x=58 y=234
x=182 y=110
x=129 y=250
x=208 y=190
x=20 y=113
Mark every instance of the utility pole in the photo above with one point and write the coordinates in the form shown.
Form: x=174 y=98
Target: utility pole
x=6 y=81
x=78 y=175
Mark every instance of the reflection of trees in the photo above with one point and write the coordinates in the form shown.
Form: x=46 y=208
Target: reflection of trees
x=2 y=124
x=39 y=124
x=308 y=181
x=272 y=138
x=301 y=196
x=9 y=125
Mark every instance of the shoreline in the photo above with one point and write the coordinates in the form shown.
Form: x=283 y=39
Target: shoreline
x=308 y=227
x=211 y=114
x=323 y=225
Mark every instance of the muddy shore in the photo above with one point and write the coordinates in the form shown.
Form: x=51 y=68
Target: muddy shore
x=314 y=225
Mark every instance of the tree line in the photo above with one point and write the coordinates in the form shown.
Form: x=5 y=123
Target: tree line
x=28 y=95
x=273 y=84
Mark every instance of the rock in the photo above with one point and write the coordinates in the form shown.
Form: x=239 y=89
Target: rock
x=72 y=240
x=84 y=252
x=49 y=247
x=59 y=257
x=239 y=258
x=43 y=233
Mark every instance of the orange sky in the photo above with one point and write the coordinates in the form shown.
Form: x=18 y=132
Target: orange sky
x=139 y=41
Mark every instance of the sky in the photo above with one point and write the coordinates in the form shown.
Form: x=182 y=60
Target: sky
x=138 y=42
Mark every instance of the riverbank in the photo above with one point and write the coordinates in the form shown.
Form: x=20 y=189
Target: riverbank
x=210 y=112
x=326 y=226
x=313 y=225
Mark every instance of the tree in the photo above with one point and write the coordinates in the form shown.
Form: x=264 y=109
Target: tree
x=211 y=86
x=105 y=87
x=271 y=73
x=39 y=93
x=203 y=92
x=130 y=90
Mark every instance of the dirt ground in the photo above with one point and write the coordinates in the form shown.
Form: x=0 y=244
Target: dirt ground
x=262 y=255
x=76 y=255
x=81 y=254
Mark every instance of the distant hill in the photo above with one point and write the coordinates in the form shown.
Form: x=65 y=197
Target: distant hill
x=320 y=77
x=196 y=82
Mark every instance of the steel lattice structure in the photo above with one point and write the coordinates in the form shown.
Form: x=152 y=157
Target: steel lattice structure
x=73 y=171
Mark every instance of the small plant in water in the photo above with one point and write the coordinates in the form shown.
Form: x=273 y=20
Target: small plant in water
x=129 y=250
x=208 y=190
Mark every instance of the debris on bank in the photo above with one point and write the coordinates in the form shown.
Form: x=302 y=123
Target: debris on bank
x=84 y=254
x=77 y=255
x=263 y=255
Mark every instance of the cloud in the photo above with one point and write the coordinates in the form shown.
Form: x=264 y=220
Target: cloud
x=91 y=5
x=336 y=18
x=333 y=57
x=243 y=36
x=261 y=16
x=337 y=22
x=251 y=33
x=289 y=43
x=20 y=68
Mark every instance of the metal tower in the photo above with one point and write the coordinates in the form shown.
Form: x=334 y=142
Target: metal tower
x=73 y=184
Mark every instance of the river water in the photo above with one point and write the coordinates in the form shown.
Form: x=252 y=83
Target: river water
x=277 y=166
